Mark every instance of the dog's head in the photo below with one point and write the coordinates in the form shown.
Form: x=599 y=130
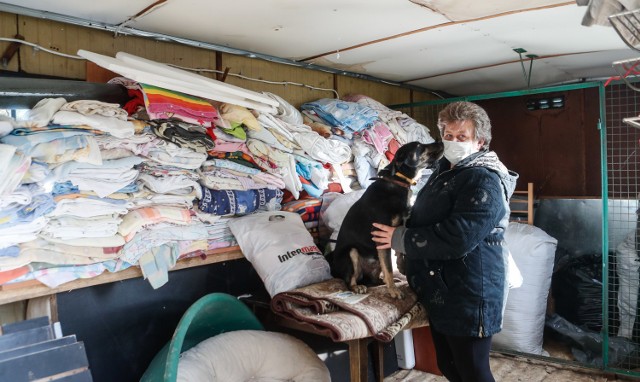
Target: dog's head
x=413 y=157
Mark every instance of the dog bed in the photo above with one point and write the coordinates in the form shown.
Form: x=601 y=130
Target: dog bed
x=251 y=355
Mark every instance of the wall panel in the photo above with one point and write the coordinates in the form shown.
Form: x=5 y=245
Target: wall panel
x=383 y=93
x=556 y=149
x=428 y=116
x=64 y=38
x=67 y=38
x=270 y=71
x=168 y=53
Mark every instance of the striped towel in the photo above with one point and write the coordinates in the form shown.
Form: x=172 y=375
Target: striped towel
x=165 y=104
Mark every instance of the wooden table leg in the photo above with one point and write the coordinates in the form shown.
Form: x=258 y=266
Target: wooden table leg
x=378 y=360
x=358 y=360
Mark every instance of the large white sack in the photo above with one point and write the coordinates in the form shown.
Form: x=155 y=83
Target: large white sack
x=280 y=249
x=533 y=251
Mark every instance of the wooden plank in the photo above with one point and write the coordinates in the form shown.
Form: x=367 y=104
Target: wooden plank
x=13 y=312
x=358 y=360
x=25 y=337
x=45 y=363
x=29 y=290
x=378 y=361
x=25 y=325
x=37 y=347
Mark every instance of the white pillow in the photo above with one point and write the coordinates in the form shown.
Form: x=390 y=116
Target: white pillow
x=280 y=249
x=251 y=355
x=534 y=252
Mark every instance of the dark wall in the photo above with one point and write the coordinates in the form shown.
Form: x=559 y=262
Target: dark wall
x=556 y=149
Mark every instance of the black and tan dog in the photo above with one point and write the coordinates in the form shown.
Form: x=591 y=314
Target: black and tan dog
x=355 y=258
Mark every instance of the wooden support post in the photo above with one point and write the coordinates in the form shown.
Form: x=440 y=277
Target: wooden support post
x=358 y=357
x=224 y=75
x=378 y=360
x=11 y=51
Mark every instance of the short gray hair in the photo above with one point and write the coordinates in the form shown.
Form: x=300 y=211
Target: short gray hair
x=462 y=111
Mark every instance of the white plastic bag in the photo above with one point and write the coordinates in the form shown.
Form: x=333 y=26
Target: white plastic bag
x=280 y=249
x=514 y=277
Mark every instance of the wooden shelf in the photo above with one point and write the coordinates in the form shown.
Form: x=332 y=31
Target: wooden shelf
x=33 y=288
x=528 y=213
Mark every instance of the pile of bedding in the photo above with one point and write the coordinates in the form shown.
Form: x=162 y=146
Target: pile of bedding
x=92 y=187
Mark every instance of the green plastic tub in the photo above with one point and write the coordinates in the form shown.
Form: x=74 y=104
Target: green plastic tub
x=211 y=315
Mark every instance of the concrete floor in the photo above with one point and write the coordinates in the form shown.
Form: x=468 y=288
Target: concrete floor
x=507 y=368
x=510 y=368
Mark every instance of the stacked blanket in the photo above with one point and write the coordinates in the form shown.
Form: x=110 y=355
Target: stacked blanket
x=329 y=308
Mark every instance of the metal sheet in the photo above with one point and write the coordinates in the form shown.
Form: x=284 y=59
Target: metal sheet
x=24 y=93
x=577 y=223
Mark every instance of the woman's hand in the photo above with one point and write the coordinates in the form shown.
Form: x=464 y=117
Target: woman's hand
x=382 y=235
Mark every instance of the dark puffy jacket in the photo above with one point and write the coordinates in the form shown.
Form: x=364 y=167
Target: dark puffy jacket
x=454 y=242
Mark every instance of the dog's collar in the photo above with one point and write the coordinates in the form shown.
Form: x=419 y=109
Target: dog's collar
x=403 y=176
x=401 y=183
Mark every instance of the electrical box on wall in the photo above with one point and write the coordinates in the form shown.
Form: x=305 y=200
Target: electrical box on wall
x=556 y=102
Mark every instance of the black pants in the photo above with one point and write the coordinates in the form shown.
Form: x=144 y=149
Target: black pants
x=463 y=359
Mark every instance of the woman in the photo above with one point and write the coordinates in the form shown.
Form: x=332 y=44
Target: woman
x=453 y=243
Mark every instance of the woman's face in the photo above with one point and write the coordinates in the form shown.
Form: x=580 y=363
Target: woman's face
x=461 y=131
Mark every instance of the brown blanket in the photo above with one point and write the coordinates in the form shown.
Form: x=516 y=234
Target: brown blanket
x=331 y=309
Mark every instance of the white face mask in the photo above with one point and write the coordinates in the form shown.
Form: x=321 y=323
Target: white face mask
x=457 y=151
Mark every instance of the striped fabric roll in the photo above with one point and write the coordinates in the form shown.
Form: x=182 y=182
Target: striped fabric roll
x=165 y=104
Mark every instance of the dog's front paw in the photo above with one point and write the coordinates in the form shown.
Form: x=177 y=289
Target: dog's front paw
x=359 y=289
x=396 y=293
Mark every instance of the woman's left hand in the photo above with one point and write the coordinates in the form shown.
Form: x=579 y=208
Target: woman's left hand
x=382 y=236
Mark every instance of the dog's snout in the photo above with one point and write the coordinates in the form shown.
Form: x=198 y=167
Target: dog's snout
x=439 y=149
x=433 y=152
